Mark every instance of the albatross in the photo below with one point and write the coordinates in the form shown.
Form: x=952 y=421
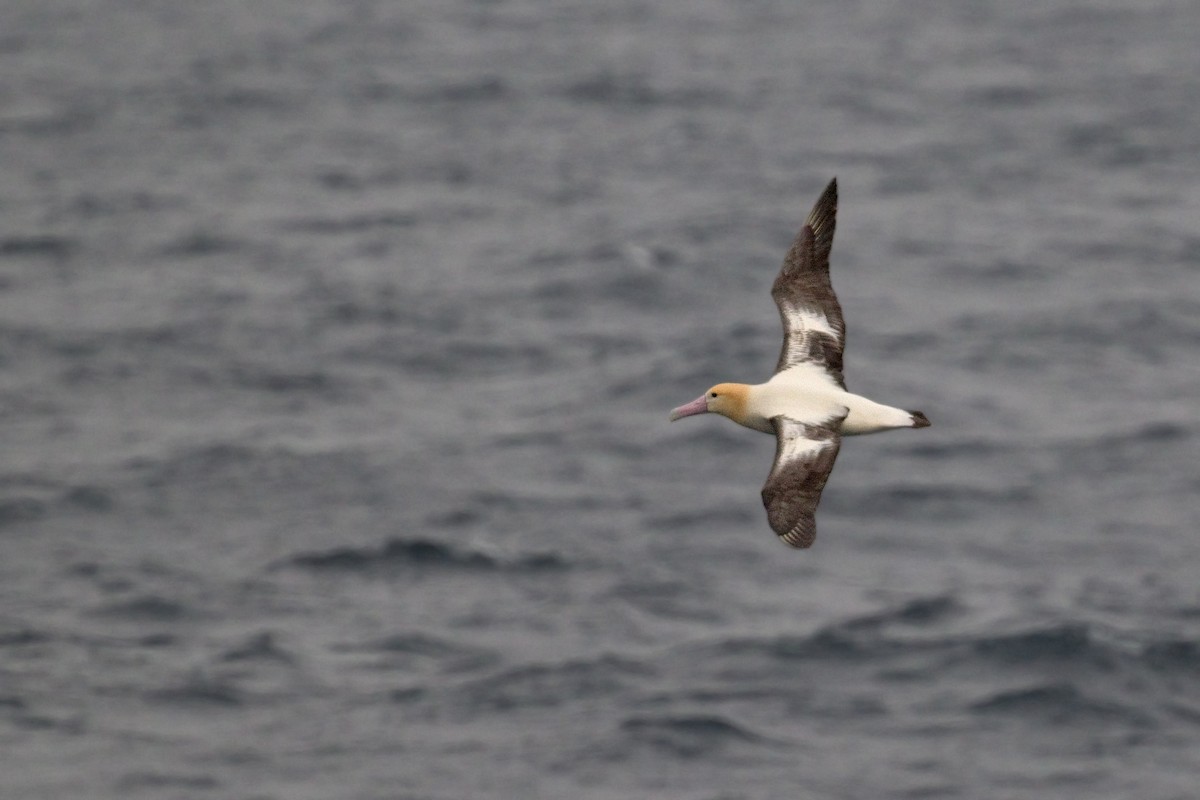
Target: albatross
x=805 y=403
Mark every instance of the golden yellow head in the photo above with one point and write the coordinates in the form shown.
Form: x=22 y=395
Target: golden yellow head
x=726 y=399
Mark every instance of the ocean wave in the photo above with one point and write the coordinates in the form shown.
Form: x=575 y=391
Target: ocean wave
x=11 y=703
x=607 y=88
x=453 y=354
x=860 y=638
x=1064 y=642
x=1078 y=644
x=958 y=447
x=1119 y=451
x=709 y=515
x=89 y=497
x=351 y=224
x=15 y=510
x=1059 y=703
x=200 y=243
x=262 y=646
x=942 y=502
x=423 y=553
x=21 y=637
x=912 y=629
x=541 y=685
x=28 y=498
x=479 y=89
x=145 y=608
x=666 y=599
x=37 y=246
x=228 y=473
x=22 y=714
x=199 y=690
x=919 y=611
x=831 y=643
x=688 y=736
x=33 y=500
x=412 y=651
x=1173 y=654
x=261 y=377
x=163 y=781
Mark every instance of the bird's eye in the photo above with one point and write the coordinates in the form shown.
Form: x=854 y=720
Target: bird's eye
x=713 y=395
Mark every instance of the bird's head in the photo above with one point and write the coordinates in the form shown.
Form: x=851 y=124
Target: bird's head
x=726 y=399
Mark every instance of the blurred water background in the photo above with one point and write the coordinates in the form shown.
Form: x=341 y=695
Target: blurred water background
x=337 y=340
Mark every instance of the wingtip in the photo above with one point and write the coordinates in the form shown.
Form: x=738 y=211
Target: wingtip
x=919 y=420
x=824 y=213
x=831 y=191
x=800 y=537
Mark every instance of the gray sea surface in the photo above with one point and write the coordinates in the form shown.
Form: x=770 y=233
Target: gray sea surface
x=337 y=341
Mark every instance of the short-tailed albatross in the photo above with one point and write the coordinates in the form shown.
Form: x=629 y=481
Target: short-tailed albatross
x=805 y=404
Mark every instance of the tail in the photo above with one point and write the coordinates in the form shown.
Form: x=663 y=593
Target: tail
x=919 y=420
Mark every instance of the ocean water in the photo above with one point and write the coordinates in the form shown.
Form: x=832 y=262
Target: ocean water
x=337 y=341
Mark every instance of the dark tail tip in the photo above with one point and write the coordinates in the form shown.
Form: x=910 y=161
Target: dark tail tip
x=920 y=420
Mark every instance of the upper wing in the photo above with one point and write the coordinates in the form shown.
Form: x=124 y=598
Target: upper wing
x=804 y=456
x=813 y=329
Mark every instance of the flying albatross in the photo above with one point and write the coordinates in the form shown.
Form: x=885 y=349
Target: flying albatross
x=805 y=403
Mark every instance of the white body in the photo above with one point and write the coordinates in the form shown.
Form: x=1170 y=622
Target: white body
x=806 y=392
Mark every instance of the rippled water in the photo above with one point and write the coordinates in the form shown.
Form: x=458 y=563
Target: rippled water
x=338 y=342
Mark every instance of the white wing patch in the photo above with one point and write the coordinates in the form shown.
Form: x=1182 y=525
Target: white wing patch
x=794 y=446
x=803 y=319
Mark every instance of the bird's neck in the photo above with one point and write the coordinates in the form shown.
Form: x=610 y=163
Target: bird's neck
x=749 y=408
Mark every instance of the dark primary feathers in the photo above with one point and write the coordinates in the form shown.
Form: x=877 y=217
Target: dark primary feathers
x=813 y=329
x=804 y=456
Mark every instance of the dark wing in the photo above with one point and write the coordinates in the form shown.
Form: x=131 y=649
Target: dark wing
x=813 y=329
x=804 y=456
